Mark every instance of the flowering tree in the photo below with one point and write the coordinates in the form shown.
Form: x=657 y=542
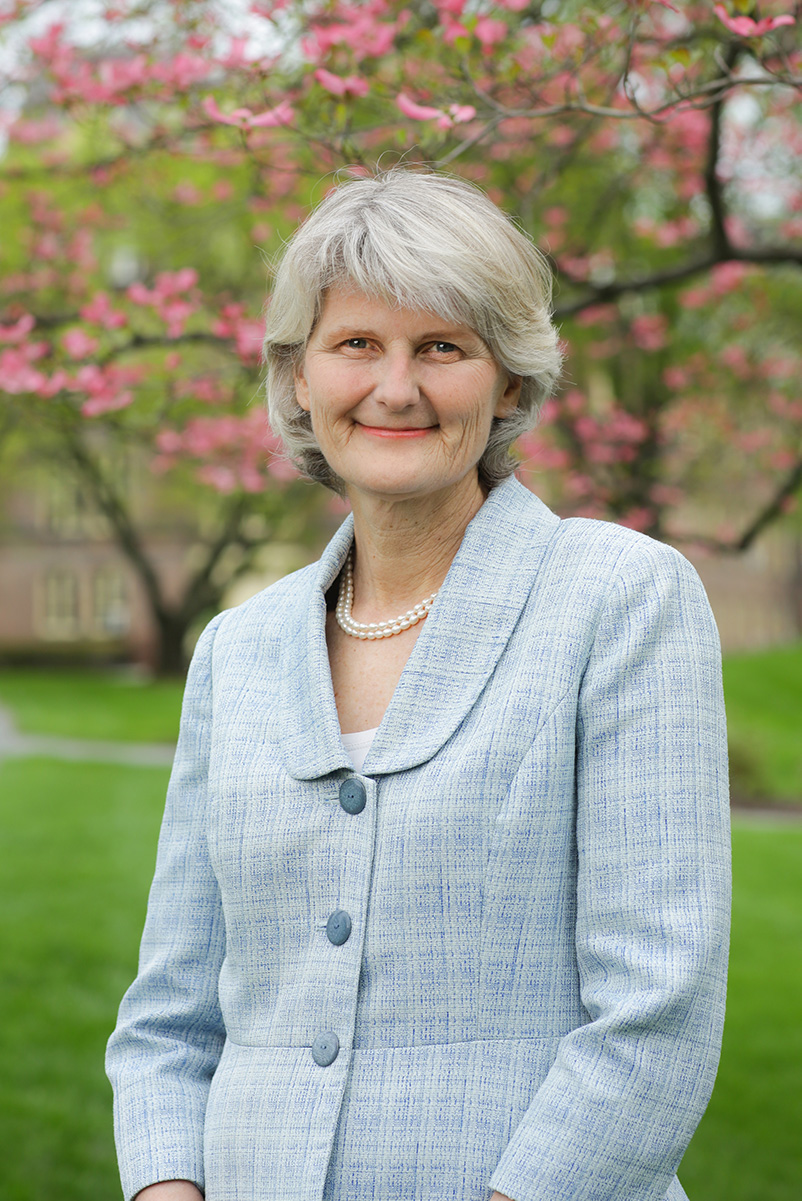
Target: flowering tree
x=155 y=147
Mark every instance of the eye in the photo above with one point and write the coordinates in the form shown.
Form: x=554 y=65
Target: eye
x=356 y=343
x=444 y=348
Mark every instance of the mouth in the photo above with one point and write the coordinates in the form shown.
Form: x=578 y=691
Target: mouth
x=380 y=431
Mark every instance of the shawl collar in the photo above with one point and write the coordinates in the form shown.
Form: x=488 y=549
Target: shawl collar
x=465 y=633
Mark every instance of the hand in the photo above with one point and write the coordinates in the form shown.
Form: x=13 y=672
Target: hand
x=170 y=1190
x=500 y=1197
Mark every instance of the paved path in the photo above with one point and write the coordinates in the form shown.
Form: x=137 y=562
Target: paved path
x=14 y=744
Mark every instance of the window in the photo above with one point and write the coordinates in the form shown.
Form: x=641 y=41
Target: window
x=111 y=617
x=61 y=608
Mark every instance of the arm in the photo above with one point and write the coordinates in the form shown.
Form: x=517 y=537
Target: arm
x=626 y=1091
x=171 y=1190
x=170 y=1033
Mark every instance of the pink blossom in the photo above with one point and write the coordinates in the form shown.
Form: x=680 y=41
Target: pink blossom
x=783 y=460
x=735 y=358
x=338 y=85
x=556 y=214
x=649 y=332
x=235 y=58
x=175 y=313
x=745 y=27
x=219 y=477
x=586 y=427
x=106 y=402
x=187 y=193
x=31 y=132
x=574 y=402
x=122 y=74
x=695 y=298
x=418 y=112
x=637 y=519
x=169 y=442
x=281 y=468
x=597 y=314
x=676 y=378
x=245 y=119
x=726 y=277
x=17 y=373
x=452 y=29
x=168 y=283
x=183 y=70
x=490 y=32
x=601 y=453
x=666 y=494
x=78 y=344
x=19 y=331
x=99 y=312
x=456 y=115
x=282 y=114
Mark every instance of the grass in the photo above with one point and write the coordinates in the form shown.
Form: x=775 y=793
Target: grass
x=748 y=1144
x=78 y=851
x=764 y=710
x=763 y=692
x=79 y=844
x=109 y=705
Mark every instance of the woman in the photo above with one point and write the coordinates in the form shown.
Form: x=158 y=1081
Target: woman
x=441 y=903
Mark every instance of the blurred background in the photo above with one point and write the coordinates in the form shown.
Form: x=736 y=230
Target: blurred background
x=153 y=156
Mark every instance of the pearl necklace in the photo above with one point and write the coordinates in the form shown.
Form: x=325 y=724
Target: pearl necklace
x=373 y=629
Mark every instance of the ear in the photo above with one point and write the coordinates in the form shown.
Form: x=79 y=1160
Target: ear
x=301 y=386
x=509 y=399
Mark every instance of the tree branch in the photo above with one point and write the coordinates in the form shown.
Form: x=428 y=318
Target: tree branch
x=770 y=512
x=113 y=509
x=600 y=293
x=713 y=188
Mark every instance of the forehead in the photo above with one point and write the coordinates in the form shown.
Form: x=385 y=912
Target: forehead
x=348 y=307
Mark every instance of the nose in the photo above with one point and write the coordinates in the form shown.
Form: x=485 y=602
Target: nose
x=396 y=384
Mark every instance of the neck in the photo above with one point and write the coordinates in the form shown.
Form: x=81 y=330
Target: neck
x=404 y=548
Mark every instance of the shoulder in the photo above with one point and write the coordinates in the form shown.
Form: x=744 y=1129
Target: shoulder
x=611 y=553
x=588 y=547
x=263 y=619
x=597 y=567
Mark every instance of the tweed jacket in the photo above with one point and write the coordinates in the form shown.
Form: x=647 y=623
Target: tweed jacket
x=494 y=958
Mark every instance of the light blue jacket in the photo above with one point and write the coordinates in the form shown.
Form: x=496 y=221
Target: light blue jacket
x=532 y=993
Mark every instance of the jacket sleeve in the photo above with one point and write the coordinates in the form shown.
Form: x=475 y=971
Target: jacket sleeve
x=169 y=1034
x=615 y=1113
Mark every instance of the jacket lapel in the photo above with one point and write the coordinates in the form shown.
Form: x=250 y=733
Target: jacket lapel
x=465 y=633
x=310 y=728
x=467 y=629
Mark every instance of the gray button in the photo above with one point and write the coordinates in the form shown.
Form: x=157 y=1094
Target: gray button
x=353 y=797
x=338 y=927
x=325 y=1049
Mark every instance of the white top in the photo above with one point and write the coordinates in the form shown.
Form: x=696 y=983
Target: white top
x=357 y=745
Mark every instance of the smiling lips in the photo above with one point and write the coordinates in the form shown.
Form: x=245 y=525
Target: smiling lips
x=381 y=432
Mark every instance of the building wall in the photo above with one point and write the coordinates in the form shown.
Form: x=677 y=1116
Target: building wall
x=66 y=590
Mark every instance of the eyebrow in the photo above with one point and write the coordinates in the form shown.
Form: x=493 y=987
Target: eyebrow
x=442 y=333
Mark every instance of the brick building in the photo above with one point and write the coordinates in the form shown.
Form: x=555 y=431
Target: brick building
x=67 y=593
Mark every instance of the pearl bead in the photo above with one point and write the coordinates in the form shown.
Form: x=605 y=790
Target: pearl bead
x=374 y=629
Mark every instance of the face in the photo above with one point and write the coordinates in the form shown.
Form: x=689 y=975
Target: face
x=401 y=400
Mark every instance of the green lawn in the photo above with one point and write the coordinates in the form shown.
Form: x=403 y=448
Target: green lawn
x=78 y=850
x=763 y=691
x=764 y=712
x=748 y=1146
x=79 y=845
x=92 y=704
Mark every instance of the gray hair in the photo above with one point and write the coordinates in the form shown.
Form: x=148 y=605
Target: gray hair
x=424 y=241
